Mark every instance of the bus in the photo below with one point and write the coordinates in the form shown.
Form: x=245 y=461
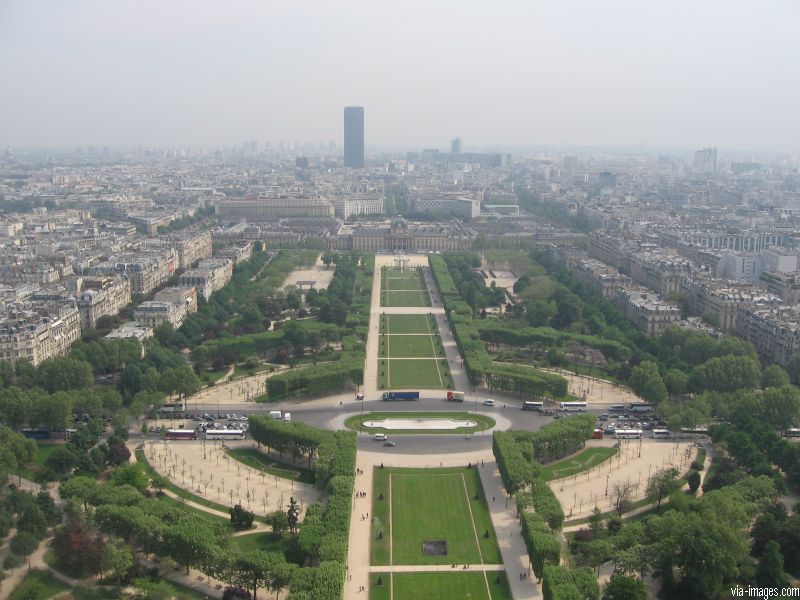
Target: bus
x=628 y=434
x=616 y=408
x=573 y=406
x=533 y=406
x=662 y=434
x=38 y=433
x=794 y=432
x=180 y=434
x=173 y=407
x=455 y=396
x=640 y=407
x=694 y=430
x=224 y=434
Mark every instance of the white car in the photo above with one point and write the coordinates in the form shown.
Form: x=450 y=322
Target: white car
x=488 y=402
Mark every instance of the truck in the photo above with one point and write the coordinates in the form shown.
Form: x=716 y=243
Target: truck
x=453 y=396
x=400 y=396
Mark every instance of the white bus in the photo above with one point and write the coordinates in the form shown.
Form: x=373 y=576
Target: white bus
x=662 y=434
x=532 y=406
x=173 y=407
x=616 y=408
x=628 y=434
x=794 y=432
x=573 y=406
x=224 y=434
x=640 y=407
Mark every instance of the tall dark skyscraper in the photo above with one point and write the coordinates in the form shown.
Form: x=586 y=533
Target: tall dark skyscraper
x=354 y=137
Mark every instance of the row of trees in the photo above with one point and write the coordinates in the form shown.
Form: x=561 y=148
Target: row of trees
x=324 y=534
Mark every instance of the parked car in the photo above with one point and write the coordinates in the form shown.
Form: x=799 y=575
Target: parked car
x=603 y=417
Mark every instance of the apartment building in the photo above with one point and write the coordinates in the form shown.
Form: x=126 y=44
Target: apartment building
x=269 y=208
x=346 y=207
x=784 y=285
x=597 y=276
x=101 y=297
x=774 y=331
x=453 y=206
x=38 y=331
x=170 y=305
x=646 y=310
x=237 y=253
x=209 y=276
x=722 y=300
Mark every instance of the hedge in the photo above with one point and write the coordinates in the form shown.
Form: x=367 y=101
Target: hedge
x=335 y=466
x=561 y=583
x=543 y=547
x=315 y=379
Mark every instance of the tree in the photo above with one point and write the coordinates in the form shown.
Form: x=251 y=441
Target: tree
x=117 y=560
x=782 y=406
x=259 y=569
x=64 y=373
x=279 y=521
x=241 y=518
x=79 y=547
x=540 y=313
x=660 y=485
x=621 y=495
x=62 y=460
x=646 y=381
x=293 y=514
x=32 y=520
x=676 y=382
x=622 y=587
x=24 y=543
x=130 y=474
x=765 y=529
x=190 y=543
x=774 y=376
x=693 y=479
x=770 y=571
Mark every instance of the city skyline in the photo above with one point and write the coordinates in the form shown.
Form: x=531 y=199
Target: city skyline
x=575 y=74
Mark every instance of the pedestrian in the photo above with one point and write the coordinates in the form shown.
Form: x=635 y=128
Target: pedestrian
x=492 y=498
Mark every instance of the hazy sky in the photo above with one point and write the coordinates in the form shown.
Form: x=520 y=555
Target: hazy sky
x=680 y=73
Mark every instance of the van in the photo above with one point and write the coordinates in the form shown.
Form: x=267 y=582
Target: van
x=287 y=416
x=381 y=437
x=275 y=414
x=359 y=396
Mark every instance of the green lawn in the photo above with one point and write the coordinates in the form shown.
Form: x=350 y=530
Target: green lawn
x=442 y=586
x=37 y=585
x=411 y=346
x=407 y=324
x=405 y=298
x=209 y=376
x=588 y=459
x=266 y=541
x=431 y=504
x=397 y=284
x=260 y=461
x=355 y=422
x=37 y=466
x=413 y=374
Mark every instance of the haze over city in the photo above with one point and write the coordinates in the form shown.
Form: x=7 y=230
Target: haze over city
x=680 y=74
